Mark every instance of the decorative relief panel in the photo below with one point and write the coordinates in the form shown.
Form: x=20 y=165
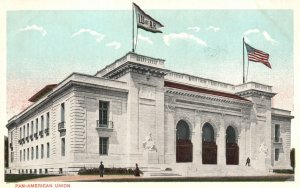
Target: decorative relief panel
x=147 y=92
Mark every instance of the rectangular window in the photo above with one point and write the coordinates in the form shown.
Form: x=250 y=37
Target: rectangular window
x=37 y=125
x=27 y=154
x=32 y=153
x=62 y=112
x=276 y=154
x=24 y=154
x=103 y=145
x=63 y=144
x=42 y=123
x=103 y=113
x=12 y=157
x=27 y=129
x=37 y=152
x=48 y=120
x=20 y=132
x=24 y=131
x=48 y=150
x=32 y=127
x=20 y=155
x=277 y=132
x=42 y=151
x=11 y=137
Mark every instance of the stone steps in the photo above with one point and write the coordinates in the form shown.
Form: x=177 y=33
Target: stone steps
x=157 y=172
x=189 y=169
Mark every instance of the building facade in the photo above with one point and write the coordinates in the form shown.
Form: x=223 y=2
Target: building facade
x=136 y=111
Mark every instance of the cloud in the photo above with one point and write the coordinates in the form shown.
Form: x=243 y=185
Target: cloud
x=268 y=37
x=195 y=28
x=250 y=31
x=34 y=28
x=114 y=44
x=98 y=36
x=215 y=29
x=265 y=34
x=182 y=36
x=145 y=39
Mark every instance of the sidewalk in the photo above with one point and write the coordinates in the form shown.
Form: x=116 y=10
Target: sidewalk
x=71 y=178
x=131 y=178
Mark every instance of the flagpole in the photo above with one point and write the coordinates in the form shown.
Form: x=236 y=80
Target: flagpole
x=243 y=62
x=132 y=28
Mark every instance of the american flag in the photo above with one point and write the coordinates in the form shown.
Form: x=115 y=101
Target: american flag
x=257 y=56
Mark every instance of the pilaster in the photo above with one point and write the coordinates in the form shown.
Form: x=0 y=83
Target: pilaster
x=197 y=140
x=221 y=143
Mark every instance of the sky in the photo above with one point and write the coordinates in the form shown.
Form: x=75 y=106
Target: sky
x=44 y=47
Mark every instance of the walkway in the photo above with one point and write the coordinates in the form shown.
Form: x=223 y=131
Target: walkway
x=127 y=178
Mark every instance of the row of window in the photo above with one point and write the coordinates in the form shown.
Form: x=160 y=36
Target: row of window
x=25 y=153
x=28 y=132
x=33 y=171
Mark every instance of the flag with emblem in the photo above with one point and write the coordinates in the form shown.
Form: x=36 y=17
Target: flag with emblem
x=146 y=22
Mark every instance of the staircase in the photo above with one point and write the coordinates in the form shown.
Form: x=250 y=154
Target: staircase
x=216 y=170
x=194 y=170
x=158 y=172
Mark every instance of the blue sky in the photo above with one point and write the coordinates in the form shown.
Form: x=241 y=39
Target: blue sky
x=43 y=47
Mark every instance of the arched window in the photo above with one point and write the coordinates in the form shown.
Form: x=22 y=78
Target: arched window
x=230 y=135
x=208 y=133
x=184 y=146
x=232 y=148
x=182 y=131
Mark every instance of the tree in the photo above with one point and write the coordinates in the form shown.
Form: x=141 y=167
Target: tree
x=292 y=158
x=5 y=151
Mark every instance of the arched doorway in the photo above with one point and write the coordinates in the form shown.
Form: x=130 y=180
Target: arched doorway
x=209 y=146
x=184 y=146
x=232 y=148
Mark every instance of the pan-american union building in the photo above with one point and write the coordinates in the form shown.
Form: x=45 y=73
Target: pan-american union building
x=136 y=111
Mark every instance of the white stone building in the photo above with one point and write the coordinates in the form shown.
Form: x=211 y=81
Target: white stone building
x=136 y=111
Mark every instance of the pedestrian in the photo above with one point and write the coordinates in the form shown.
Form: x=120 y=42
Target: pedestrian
x=248 y=161
x=101 y=169
x=137 y=170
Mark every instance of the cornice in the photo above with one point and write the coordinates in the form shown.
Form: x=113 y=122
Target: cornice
x=280 y=116
x=63 y=90
x=137 y=68
x=254 y=92
x=208 y=97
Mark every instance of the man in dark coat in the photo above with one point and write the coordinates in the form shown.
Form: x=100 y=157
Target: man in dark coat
x=137 y=170
x=248 y=161
x=101 y=169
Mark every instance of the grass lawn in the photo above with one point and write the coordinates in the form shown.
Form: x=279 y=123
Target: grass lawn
x=22 y=177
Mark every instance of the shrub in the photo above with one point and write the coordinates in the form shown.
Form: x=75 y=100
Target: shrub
x=107 y=171
x=168 y=169
x=283 y=171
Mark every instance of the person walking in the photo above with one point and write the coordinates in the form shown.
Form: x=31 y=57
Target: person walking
x=248 y=161
x=137 y=170
x=101 y=169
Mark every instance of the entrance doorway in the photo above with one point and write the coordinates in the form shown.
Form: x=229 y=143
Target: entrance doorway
x=209 y=146
x=184 y=146
x=232 y=148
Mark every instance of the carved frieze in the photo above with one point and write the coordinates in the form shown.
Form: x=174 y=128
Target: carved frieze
x=147 y=92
